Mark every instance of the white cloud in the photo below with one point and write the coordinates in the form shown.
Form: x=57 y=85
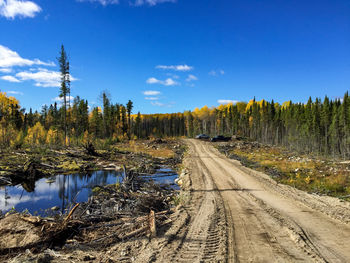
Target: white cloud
x=60 y=99
x=18 y=199
x=151 y=98
x=170 y=82
x=227 y=101
x=102 y=2
x=12 y=8
x=10 y=79
x=217 y=72
x=152 y=2
x=151 y=93
x=152 y=81
x=5 y=70
x=191 y=78
x=9 y=58
x=167 y=82
x=14 y=92
x=43 y=77
x=175 y=67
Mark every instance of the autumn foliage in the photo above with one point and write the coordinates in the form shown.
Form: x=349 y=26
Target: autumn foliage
x=316 y=126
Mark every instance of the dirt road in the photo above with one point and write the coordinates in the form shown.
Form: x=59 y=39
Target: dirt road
x=238 y=215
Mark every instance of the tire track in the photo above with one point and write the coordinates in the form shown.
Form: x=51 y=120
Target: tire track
x=255 y=239
x=207 y=232
x=316 y=235
x=234 y=216
x=203 y=239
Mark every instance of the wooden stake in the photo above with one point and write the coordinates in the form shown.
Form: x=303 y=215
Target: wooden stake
x=152 y=224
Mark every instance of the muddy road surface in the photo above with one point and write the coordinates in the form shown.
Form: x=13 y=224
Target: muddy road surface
x=238 y=215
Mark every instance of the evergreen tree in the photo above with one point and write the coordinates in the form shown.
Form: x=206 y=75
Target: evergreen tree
x=65 y=86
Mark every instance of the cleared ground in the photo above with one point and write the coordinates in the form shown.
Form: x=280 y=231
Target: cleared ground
x=233 y=214
x=238 y=215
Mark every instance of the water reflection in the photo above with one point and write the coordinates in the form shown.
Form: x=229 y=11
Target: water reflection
x=62 y=190
x=58 y=191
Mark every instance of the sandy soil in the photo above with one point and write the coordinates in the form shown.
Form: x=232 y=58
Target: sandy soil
x=239 y=215
x=235 y=214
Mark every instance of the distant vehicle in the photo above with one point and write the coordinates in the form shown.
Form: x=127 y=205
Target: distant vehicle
x=202 y=137
x=220 y=138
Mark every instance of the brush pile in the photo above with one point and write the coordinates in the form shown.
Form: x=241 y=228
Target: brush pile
x=132 y=209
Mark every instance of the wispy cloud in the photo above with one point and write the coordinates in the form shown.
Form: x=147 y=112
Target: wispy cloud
x=217 y=72
x=131 y=2
x=157 y=103
x=191 y=78
x=10 y=78
x=43 y=77
x=174 y=76
x=227 y=101
x=151 y=98
x=151 y=92
x=5 y=70
x=13 y=8
x=9 y=59
x=160 y=104
x=175 y=67
x=152 y=2
x=102 y=2
x=14 y=92
x=167 y=82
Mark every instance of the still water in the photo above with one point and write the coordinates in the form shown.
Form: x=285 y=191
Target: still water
x=61 y=190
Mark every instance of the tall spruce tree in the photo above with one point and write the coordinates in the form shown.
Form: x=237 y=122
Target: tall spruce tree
x=65 y=87
x=129 y=107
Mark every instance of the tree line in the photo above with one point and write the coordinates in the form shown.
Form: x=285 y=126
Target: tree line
x=319 y=126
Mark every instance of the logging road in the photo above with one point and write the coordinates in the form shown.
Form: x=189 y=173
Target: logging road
x=239 y=215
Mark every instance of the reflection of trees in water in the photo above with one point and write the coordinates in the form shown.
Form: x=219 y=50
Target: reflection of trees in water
x=29 y=185
x=70 y=185
x=67 y=187
x=6 y=196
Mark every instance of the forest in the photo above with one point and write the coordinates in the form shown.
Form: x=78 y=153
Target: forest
x=320 y=127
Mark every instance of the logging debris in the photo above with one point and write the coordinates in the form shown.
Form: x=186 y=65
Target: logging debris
x=134 y=208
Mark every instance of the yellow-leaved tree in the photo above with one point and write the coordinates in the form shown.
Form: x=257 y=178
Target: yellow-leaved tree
x=36 y=135
x=9 y=115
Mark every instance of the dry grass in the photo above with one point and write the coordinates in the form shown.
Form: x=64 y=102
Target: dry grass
x=323 y=176
x=146 y=147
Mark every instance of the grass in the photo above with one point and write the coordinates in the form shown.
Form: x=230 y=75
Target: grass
x=146 y=147
x=314 y=175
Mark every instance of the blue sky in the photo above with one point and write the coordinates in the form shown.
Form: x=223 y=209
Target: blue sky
x=175 y=55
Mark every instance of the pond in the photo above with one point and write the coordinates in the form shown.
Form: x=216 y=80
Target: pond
x=61 y=190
